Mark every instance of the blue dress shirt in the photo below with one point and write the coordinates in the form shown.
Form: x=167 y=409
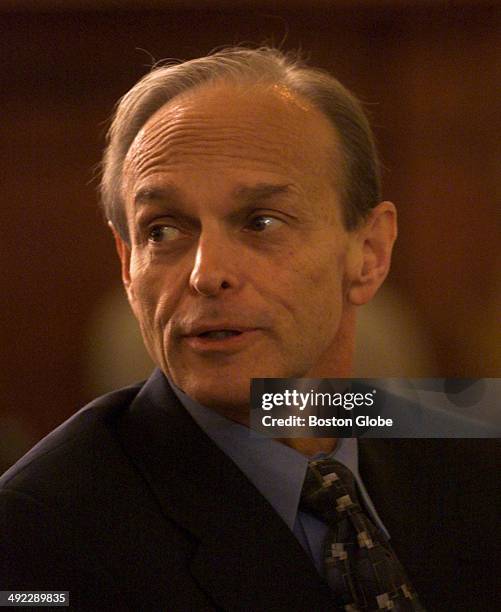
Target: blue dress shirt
x=277 y=471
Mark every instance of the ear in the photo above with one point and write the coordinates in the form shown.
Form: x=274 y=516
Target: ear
x=373 y=247
x=123 y=250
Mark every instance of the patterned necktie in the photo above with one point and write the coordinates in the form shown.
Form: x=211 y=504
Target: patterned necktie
x=360 y=565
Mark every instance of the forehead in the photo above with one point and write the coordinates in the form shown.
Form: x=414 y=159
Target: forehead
x=227 y=128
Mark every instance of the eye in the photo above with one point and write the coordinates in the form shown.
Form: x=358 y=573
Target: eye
x=262 y=223
x=163 y=233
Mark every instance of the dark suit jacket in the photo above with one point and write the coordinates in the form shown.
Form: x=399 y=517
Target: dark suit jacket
x=130 y=506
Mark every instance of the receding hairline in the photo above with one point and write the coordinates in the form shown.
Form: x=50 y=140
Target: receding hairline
x=333 y=147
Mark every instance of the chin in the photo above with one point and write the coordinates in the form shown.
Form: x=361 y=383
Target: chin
x=225 y=386
x=215 y=390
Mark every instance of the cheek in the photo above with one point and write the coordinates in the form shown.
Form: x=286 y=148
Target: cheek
x=316 y=275
x=146 y=291
x=311 y=290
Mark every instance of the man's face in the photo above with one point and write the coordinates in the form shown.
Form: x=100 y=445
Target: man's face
x=237 y=262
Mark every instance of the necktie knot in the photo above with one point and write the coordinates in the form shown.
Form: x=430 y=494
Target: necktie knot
x=329 y=491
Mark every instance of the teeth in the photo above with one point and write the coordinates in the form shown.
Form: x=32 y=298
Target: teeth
x=220 y=334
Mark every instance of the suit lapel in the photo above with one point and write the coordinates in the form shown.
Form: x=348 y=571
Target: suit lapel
x=245 y=551
x=411 y=486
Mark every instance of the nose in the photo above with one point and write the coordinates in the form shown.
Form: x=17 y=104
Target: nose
x=215 y=266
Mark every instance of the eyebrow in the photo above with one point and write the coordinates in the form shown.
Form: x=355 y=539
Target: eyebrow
x=149 y=195
x=246 y=193
x=261 y=191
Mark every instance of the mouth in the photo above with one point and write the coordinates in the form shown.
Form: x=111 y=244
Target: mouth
x=224 y=340
x=219 y=334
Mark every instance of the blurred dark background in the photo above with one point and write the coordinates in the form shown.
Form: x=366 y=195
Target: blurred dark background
x=429 y=72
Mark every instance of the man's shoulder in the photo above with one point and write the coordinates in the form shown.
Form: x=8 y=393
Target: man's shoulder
x=70 y=451
x=70 y=508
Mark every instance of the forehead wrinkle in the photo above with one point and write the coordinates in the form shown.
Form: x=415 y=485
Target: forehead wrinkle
x=210 y=131
x=163 y=161
x=172 y=146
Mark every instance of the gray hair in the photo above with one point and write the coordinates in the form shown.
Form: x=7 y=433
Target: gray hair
x=361 y=171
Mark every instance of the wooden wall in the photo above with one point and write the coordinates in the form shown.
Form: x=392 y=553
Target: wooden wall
x=430 y=73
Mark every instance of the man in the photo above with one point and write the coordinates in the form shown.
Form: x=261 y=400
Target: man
x=242 y=190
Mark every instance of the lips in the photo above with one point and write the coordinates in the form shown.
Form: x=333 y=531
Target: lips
x=224 y=337
x=215 y=330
